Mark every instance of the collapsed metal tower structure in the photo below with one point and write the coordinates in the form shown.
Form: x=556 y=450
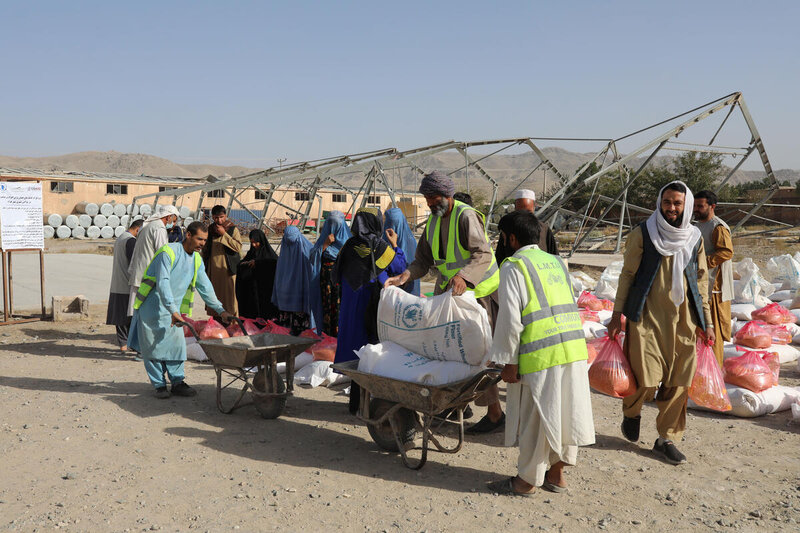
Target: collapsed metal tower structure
x=361 y=174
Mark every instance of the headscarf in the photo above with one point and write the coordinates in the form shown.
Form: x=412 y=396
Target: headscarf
x=334 y=225
x=293 y=290
x=396 y=220
x=437 y=184
x=365 y=254
x=265 y=251
x=678 y=243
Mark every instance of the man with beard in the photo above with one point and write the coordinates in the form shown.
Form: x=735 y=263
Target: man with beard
x=455 y=243
x=661 y=293
x=719 y=252
x=221 y=257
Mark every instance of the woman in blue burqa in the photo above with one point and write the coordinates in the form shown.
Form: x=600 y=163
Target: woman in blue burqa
x=331 y=239
x=365 y=262
x=294 y=292
x=395 y=220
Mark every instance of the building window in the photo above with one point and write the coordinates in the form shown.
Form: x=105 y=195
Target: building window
x=406 y=199
x=216 y=193
x=301 y=196
x=373 y=199
x=61 y=186
x=161 y=188
x=339 y=198
x=116 y=188
x=261 y=195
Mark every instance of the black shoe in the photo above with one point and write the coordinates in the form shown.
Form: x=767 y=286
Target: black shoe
x=182 y=389
x=452 y=414
x=630 y=428
x=666 y=449
x=485 y=425
x=162 y=393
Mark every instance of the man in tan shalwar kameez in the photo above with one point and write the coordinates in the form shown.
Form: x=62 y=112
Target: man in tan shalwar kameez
x=221 y=255
x=719 y=252
x=663 y=292
x=438 y=190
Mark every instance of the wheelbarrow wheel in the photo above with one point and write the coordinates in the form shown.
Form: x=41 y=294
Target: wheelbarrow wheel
x=382 y=434
x=269 y=406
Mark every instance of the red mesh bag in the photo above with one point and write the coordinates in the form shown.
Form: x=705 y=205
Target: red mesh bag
x=774 y=314
x=611 y=373
x=325 y=350
x=588 y=316
x=708 y=386
x=213 y=330
x=753 y=335
x=589 y=301
x=748 y=371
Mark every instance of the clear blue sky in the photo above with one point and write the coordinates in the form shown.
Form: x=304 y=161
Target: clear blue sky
x=247 y=82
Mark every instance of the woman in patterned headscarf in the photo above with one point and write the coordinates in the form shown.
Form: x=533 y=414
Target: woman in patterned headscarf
x=364 y=264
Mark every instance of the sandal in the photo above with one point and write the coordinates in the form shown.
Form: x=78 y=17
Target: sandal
x=505 y=487
x=552 y=487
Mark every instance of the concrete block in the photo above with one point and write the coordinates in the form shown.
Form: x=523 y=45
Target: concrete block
x=66 y=308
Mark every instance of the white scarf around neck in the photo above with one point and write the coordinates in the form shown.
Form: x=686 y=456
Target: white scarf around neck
x=677 y=242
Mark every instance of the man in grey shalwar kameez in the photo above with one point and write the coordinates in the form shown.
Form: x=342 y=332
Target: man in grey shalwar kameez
x=117 y=314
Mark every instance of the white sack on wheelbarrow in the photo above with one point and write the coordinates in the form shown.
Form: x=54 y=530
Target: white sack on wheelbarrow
x=444 y=327
x=393 y=361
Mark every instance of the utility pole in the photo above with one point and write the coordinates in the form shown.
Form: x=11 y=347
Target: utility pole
x=281 y=160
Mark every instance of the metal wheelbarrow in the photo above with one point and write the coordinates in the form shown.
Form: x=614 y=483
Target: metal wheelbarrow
x=396 y=410
x=235 y=357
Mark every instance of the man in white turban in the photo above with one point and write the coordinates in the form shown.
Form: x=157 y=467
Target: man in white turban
x=663 y=292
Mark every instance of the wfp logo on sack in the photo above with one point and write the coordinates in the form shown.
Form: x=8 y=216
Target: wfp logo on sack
x=411 y=315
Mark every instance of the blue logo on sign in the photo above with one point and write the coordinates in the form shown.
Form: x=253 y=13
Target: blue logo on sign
x=412 y=315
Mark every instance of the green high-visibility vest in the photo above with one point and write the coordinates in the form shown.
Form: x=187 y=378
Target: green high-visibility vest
x=552 y=332
x=149 y=282
x=456 y=256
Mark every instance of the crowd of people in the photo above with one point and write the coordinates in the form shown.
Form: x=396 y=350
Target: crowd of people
x=676 y=285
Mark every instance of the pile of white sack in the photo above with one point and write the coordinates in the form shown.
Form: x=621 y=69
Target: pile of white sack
x=100 y=221
x=753 y=290
x=433 y=341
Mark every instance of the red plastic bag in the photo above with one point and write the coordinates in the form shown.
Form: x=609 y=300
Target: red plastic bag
x=608 y=305
x=774 y=314
x=748 y=371
x=310 y=334
x=325 y=350
x=588 y=316
x=779 y=334
x=589 y=301
x=198 y=326
x=708 y=386
x=611 y=373
x=213 y=330
x=595 y=345
x=773 y=361
x=275 y=329
x=251 y=327
x=753 y=335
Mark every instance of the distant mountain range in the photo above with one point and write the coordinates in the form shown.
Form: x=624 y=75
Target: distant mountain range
x=508 y=170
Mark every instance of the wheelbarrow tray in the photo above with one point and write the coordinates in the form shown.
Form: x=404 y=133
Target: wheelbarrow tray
x=248 y=351
x=427 y=399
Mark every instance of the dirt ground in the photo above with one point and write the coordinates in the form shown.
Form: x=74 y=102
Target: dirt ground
x=86 y=447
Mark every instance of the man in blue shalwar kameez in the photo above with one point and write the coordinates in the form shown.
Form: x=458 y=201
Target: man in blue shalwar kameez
x=166 y=291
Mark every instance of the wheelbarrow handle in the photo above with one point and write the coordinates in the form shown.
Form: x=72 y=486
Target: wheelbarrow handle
x=241 y=325
x=191 y=328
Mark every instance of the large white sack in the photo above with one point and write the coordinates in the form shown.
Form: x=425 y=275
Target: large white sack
x=592 y=330
x=742 y=311
x=779 y=296
x=606 y=288
x=605 y=316
x=300 y=361
x=796 y=313
x=785 y=269
x=314 y=374
x=748 y=404
x=195 y=352
x=581 y=282
x=751 y=284
x=393 y=361
x=444 y=327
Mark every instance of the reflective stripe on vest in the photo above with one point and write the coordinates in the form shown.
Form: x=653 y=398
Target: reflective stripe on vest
x=149 y=282
x=456 y=256
x=552 y=332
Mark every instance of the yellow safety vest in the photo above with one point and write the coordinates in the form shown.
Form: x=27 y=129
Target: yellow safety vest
x=149 y=282
x=552 y=332
x=457 y=257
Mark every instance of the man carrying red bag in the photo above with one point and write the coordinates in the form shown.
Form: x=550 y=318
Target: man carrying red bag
x=663 y=292
x=540 y=340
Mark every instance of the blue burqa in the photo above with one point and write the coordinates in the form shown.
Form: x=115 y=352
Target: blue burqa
x=335 y=225
x=295 y=289
x=396 y=220
x=152 y=333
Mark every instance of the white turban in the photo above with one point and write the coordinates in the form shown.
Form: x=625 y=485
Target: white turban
x=525 y=194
